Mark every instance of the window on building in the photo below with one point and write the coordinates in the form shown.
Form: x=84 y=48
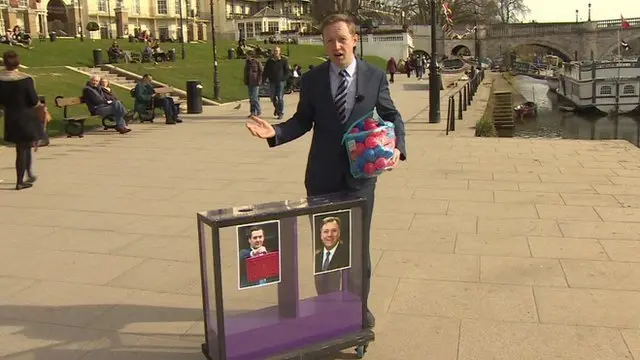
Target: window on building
x=162 y=7
x=102 y=5
x=258 y=27
x=136 y=6
x=249 y=32
x=274 y=26
x=4 y=2
x=178 y=6
x=605 y=90
x=628 y=90
x=23 y=3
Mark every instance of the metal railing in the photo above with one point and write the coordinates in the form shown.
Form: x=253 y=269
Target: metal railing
x=465 y=96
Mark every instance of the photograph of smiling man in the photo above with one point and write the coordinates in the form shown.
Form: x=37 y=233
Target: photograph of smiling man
x=258 y=254
x=332 y=241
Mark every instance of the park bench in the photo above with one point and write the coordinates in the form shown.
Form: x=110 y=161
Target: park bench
x=74 y=125
x=151 y=110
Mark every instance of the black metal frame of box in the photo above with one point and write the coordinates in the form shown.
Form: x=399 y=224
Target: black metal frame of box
x=287 y=212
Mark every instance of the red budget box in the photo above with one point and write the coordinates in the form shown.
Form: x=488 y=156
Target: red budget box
x=263 y=267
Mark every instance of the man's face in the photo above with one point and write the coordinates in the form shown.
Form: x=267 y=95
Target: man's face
x=339 y=43
x=276 y=53
x=94 y=81
x=147 y=79
x=256 y=239
x=330 y=234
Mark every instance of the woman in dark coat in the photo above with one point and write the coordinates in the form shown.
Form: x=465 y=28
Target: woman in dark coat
x=392 y=68
x=18 y=97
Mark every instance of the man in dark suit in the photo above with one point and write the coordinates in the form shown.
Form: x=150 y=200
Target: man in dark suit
x=334 y=254
x=255 y=237
x=329 y=109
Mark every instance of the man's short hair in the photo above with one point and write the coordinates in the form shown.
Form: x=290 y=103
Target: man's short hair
x=252 y=229
x=10 y=60
x=146 y=76
x=330 y=219
x=336 y=18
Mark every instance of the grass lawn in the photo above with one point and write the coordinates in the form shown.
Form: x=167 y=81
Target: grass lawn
x=198 y=64
x=59 y=81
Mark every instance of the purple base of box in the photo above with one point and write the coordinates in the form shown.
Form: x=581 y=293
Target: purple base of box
x=263 y=333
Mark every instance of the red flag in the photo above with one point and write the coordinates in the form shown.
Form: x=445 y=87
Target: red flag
x=625 y=24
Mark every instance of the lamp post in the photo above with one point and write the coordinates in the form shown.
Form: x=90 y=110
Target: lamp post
x=109 y=17
x=286 y=15
x=434 y=85
x=576 y=15
x=589 y=17
x=181 y=31
x=476 y=44
x=81 y=26
x=216 y=81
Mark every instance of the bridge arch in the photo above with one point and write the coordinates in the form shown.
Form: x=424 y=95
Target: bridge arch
x=614 y=48
x=561 y=52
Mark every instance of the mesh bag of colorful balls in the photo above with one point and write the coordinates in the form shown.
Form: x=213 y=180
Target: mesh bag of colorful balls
x=370 y=143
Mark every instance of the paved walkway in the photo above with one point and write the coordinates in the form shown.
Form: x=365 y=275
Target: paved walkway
x=484 y=249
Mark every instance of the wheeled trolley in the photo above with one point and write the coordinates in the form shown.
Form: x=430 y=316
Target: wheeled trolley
x=285 y=280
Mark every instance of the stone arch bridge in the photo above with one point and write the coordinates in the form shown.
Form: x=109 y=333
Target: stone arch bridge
x=568 y=40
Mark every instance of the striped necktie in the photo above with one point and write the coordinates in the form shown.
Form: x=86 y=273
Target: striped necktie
x=341 y=96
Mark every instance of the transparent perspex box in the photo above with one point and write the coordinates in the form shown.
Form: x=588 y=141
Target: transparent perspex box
x=283 y=280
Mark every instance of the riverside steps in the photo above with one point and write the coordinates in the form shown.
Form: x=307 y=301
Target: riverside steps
x=482 y=248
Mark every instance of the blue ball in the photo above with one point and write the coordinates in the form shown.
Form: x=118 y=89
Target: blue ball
x=361 y=162
x=369 y=155
x=360 y=126
x=380 y=151
x=388 y=154
x=389 y=124
x=360 y=137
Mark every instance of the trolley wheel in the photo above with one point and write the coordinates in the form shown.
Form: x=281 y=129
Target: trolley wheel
x=361 y=350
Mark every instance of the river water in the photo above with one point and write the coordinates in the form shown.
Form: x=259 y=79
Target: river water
x=553 y=123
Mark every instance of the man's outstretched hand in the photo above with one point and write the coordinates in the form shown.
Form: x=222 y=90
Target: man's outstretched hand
x=260 y=128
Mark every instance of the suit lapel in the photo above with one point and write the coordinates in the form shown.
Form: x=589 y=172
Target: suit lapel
x=362 y=83
x=326 y=88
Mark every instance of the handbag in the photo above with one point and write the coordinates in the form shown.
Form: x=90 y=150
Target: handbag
x=370 y=144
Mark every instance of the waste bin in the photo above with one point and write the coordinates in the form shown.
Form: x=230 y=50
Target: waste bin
x=53 y=36
x=194 y=97
x=97 y=57
x=231 y=54
x=172 y=55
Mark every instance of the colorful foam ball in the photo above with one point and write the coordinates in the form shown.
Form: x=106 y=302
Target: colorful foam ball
x=371 y=142
x=354 y=130
x=388 y=154
x=360 y=126
x=370 y=168
x=370 y=126
x=369 y=155
x=380 y=163
x=360 y=148
x=380 y=151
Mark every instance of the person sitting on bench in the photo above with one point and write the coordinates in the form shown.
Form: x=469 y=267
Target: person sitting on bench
x=144 y=92
x=98 y=104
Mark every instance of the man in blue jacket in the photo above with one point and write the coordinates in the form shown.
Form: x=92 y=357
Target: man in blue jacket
x=333 y=96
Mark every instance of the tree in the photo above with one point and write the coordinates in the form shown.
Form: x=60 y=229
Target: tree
x=510 y=10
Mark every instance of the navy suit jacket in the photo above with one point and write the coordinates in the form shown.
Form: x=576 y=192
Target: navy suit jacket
x=328 y=164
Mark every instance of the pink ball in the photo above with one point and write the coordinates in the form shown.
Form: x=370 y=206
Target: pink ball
x=354 y=130
x=360 y=148
x=370 y=142
x=370 y=126
x=381 y=163
x=369 y=168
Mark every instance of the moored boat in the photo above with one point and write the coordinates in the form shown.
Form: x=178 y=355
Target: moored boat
x=607 y=86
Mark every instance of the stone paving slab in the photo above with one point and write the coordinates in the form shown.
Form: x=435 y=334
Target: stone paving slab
x=482 y=248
